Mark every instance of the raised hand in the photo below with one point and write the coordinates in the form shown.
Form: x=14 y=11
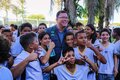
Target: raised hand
x=84 y=58
x=51 y=45
x=89 y=44
x=33 y=56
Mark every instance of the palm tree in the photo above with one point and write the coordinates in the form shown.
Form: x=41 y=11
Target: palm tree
x=101 y=13
x=16 y=10
x=110 y=6
x=91 y=6
x=70 y=7
x=22 y=3
x=5 y=5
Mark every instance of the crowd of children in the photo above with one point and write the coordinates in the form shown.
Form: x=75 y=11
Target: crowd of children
x=61 y=52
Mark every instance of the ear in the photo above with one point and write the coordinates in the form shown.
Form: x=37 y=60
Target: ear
x=92 y=32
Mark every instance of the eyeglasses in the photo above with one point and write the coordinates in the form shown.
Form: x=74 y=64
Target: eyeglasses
x=63 y=17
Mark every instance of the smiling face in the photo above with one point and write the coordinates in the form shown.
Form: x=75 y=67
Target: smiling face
x=88 y=31
x=45 y=40
x=62 y=20
x=105 y=36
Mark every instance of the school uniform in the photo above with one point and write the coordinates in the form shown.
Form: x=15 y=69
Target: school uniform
x=33 y=69
x=106 y=70
x=16 y=47
x=117 y=46
x=46 y=76
x=5 y=73
x=63 y=73
x=90 y=54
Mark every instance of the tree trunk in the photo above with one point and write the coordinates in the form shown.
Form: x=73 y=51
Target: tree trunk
x=101 y=14
x=92 y=5
x=71 y=9
x=6 y=17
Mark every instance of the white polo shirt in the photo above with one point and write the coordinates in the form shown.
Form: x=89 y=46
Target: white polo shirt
x=90 y=54
x=64 y=74
x=33 y=69
x=5 y=73
x=108 y=52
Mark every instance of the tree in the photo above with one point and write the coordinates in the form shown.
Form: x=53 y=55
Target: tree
x=91 y=6
x=5 y=5
x=16 y=10
x=70 y=7
x=110 y=6
x=101 y=13
x=22 y=3
x=36 y=16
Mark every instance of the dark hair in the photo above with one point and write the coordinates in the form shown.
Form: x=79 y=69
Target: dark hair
x=4 y=49
x=94 y=35
x=5 y=30
x=68 y=49
x=59 y=12
x=27 y=39
x=41 y=35
x=11 y=25
x=81 y=31
x=42 y=24
x=78 y=24
x=106 y=30
x=117 y=31
x=22 y=26
x=14 y=26
x=1 y=26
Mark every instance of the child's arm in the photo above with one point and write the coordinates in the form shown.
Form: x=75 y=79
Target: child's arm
x=51 y=67
x=92 y=65
x=115 y=65
x=46 y=57
x=19 y=68
x=79 y=62
x=99 y=56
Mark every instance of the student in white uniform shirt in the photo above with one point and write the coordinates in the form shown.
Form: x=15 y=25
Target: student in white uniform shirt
x=116 y=35
x=16 y=48
x=5 y=73
x=85 y=47
x=109 y=70
x=28 y=59
x=46 y=52
x=67 y=69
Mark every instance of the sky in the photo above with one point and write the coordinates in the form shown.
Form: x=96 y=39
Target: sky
x=43 y=7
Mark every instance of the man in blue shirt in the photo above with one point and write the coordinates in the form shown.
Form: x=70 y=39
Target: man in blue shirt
x=57 y=33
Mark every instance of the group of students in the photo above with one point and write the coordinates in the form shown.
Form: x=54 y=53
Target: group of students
x=77 y=54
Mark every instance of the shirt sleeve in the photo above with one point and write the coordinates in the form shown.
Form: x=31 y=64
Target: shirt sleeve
x=17 y=61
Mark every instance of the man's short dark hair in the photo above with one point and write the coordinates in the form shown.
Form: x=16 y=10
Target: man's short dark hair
x=27 y=39
x=59 y=12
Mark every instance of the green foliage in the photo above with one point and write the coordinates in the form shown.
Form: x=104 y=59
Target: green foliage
x=36 y=16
